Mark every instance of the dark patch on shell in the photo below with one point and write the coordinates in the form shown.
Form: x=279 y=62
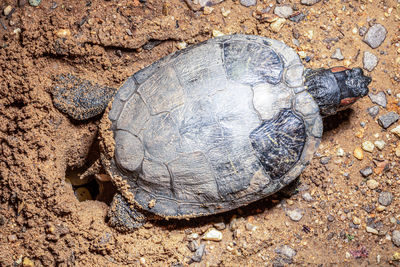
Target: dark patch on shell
x=279 y=142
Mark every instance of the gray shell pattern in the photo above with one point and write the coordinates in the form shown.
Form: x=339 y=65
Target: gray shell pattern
x=214 y=126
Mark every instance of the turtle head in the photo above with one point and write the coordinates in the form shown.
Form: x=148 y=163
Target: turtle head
x=336 y=88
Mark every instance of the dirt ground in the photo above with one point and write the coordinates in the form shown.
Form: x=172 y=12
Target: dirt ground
x=42 y=223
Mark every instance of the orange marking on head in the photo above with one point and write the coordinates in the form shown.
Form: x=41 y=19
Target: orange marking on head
x=338 y=69
x=348 y=101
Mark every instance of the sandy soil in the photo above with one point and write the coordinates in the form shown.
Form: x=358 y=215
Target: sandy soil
x=42 y=223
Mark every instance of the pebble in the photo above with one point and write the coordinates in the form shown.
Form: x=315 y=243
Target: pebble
x=373 y=111
x=7 y=10
x=380 y=208
x=367 y=171
x=340 y=152
x=27 y=262
x=34 y=2
x=83 y=194
x=309 y=2
x=307 y=197
x=250 y=227
x=370 y=61
x=63 y=33
x=248 y=3
x=181 y=45
x=362 y=30
x=330 y=218
x=358 y=153
x=375 y=35
x=217 y=33
x=397 y=151
x=372 y=184
x=193 y=236
x=198 y=255
x=388 y=119
x=337 y=54
x=220 y=226
x=368 y=146
x=193 y=245
x=396 y=130
x=283 y=11
x=371 y=230
x=324 y=160
x=356 y=220
x=207 y=10
x=380 y=144
x=396 y=256
x=297 y=17
x=295 y=215
x=378 y=98
x=286 y=251
x=212 y=234
x=385 y=198
x=396 y=237
x=277 y=25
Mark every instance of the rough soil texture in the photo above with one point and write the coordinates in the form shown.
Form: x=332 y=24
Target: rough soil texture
x=42 y=223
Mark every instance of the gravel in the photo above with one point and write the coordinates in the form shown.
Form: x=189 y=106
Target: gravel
x=198 y=255
x=368 y=146
x=325 y=160
x=309 y=2
x=388 y=119
x=370 y=61
x=371 y=230
x=337 y=54
x=367 y=171
x=248 y=2
x=283 y=11
x=286 y=251
x=380 y=144
x=385 y=198
x=362 y=31
x=307 y=197
x=212 y=235
x=378 y=98
x=396 y=237
x=295 y=215
x=372 y=184
x=375 y=35
x=373 y=111
x=34 y=2
x=297 y=17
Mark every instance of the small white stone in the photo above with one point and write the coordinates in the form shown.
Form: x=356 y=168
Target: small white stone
x=217 y=33
x=277 y=25
x=181 y=45
x=396 y=130
x=193 y=236
x=368 y=146
x=7 y=10
x=380 y=144
x=371 y=230
x=212 y=235
x=340 y=152
x=372 y=184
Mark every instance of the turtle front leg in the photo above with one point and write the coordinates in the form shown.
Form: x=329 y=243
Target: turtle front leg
x=123 y=216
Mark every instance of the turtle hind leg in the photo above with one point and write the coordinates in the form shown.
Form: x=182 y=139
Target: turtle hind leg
x=81 y=99
x=123 y=216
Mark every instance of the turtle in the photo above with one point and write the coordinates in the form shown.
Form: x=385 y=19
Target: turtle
x=213 y=127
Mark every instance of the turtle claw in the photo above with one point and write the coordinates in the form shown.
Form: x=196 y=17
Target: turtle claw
x=124 y=217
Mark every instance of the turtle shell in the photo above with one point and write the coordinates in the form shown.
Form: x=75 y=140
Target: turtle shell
x=213 y=127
